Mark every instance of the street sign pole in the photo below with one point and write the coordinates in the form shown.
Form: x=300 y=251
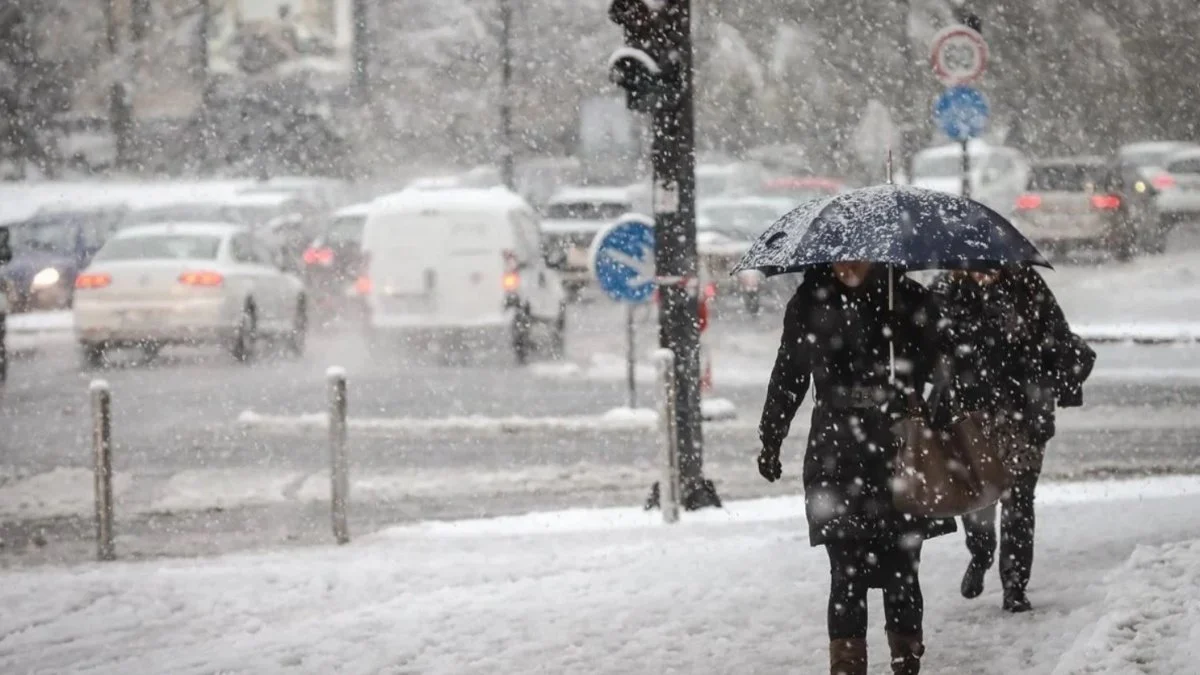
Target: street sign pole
x=966 y=169
x=630 y=357
x=622 y=260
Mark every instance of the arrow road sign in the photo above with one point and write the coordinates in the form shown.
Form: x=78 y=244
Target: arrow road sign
x=959 y=55
x=622 y=259
x=961 y=113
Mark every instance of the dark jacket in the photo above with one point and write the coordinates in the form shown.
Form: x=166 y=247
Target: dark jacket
x=1012 y=348
x=836 y=338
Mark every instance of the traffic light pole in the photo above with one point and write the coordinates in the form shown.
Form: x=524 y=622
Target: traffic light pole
x=674 y=164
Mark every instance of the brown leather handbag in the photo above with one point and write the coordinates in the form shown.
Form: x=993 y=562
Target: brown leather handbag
x=943 y=474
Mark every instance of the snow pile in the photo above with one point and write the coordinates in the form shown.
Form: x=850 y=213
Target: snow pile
x=1151 y=617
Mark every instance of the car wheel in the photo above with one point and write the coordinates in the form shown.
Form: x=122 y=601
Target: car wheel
x=244 y=336
x=92 y=355
x=298 y=335
x=521 y=334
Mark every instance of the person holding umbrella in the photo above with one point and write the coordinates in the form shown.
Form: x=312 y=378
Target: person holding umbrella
x=1014 y=357
x=866 y=338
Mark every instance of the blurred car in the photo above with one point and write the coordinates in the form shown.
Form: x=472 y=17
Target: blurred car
x=460 y=266
x=189 y=284
x=802 y=188
x=572 y=217
x=725 y=228
x=1143 y=166
x=998 y=174
x=322 y=193
x=333 y=261
x=1077 y=201
x=728 y=179
x=1179 y=189
x=49 y=249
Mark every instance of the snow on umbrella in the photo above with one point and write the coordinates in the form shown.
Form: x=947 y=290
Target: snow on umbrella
x=898 y=225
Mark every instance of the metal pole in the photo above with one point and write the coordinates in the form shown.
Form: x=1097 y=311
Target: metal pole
x=668 y=436
x=339 y=468
x=361 y=50
x=630 y=356
x=506 y=150
x=966 y=170
x=102 y=469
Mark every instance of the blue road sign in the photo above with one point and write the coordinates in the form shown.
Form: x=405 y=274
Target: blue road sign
x=623 y=259
x=961 y=112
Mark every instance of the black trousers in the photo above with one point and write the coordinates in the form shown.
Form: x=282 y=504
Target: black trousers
x=1017 y=523
x=855 y=567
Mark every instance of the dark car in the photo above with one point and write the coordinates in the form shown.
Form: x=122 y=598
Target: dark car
x=1073 y=202
x=49 y=249
x=333 y=262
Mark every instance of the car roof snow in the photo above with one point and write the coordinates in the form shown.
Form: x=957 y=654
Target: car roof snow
x=197 y=228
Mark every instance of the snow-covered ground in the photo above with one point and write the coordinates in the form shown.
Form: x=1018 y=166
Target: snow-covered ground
x=615 y=591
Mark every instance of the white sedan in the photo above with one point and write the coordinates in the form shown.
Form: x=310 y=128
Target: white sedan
x=188 y=284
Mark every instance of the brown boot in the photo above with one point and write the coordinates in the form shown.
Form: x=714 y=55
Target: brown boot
x=907 y=650
x=848 y=657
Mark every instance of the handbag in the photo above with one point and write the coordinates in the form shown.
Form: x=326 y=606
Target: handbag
x=951 y=472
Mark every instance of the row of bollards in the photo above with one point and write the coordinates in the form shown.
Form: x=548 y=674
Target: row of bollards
x=101 y=399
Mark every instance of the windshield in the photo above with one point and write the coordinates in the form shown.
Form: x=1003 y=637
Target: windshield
x=738 y=220
x=345 y=230
x=161 y=247
x=1068 y=178
x=586 y=210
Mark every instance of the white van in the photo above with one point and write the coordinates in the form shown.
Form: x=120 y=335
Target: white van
x=463 y=265
x=998 y=174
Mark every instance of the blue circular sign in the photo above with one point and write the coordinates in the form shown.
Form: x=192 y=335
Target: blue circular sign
x=623 y=259
x=961 y=113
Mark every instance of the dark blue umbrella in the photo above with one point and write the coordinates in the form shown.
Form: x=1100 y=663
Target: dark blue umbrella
x=907 y=227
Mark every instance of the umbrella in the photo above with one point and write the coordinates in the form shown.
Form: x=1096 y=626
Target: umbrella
x=898 y=225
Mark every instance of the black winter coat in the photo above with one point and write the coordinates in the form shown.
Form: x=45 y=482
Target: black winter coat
x=837 y=338
x=1012 y=351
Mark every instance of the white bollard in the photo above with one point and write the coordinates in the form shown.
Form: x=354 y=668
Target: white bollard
x=102 y=468
x=339 y=469
x=668 y=437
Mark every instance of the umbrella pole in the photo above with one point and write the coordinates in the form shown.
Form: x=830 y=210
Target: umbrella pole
x=891 y=331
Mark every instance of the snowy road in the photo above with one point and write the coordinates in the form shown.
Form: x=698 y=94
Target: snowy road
x=614 y=591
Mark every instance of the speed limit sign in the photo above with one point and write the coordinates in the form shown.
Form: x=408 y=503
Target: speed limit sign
x=959 y=55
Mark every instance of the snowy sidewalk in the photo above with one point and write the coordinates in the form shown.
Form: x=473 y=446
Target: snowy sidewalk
x=614 y=591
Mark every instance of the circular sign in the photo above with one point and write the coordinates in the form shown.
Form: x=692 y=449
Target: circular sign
x=622 y=259
x=959 y=55
x=961 y=113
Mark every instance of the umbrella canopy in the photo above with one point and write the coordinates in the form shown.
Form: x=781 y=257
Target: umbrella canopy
x=908 y=227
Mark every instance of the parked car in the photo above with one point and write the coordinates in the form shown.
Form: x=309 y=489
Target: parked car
x=572 y=217
x=725 y=228
x=1077 y=201
x=998 y=174
x=333 y=261
x=1179 y=189
x=460 y=267
x=49 y=249
x=1143 y=166
x=187 y=284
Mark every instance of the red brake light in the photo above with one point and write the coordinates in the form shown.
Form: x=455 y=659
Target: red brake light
x=318 y=256
x=203 y=278
x=1163 y=181
x=511 y=281
x=363 y=285
x=84 y=281
x=1029 y=202
x=1106 y=202
x=710 y=290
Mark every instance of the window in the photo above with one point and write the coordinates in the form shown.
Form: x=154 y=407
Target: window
x=1069 y=178
x=1189 y=165
x=161 y=247
x=242 y=251
x=525 y=232
x=346 y=230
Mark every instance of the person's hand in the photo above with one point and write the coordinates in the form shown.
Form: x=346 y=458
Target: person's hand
x=769 y=465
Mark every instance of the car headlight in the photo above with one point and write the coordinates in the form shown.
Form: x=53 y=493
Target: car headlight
x=47 y=277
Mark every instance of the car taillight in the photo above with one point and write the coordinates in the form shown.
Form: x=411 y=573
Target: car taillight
x=84 y=281
x=203 y=278
x=1106 y=202
x=1163 y=181
x=710 y=290
x=318 y=256
x=363 y=285
x=1029 y=202
x=511 y=281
